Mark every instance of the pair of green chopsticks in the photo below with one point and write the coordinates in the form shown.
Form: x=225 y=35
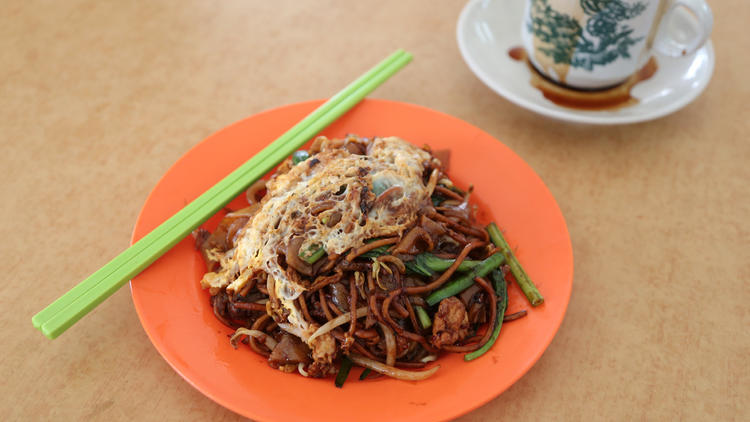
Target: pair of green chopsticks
x=73 y=305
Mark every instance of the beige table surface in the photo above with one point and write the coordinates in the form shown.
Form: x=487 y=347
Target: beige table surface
x=99 y=98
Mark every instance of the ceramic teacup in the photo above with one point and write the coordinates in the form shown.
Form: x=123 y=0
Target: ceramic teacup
x=597 y=44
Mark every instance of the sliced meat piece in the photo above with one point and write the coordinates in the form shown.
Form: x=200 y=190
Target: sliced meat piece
x=340 y=296
x=451 y=323
x=433 y=228
x=290 y=350
x=221 y=240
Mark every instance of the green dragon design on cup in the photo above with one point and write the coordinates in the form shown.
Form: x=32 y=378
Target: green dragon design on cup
x=605 y=39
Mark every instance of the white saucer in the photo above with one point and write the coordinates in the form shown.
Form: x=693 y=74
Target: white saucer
x=487 y=29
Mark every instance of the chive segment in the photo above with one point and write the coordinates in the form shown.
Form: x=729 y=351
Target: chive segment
x=312 y=253
x=346 y=366
x=415 y=266
x=465 y=281
x=523 y=280
x=380 y=185
x=438 y=264
x=379 y=251
x=300 y=156
x=364 y=374
x=424 y=318
x=501 y=290
x=427 y=264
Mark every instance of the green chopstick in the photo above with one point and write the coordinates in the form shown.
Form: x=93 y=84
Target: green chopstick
x=73 y=305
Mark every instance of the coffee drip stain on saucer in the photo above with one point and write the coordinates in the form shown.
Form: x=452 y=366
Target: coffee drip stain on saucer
x=612 y=98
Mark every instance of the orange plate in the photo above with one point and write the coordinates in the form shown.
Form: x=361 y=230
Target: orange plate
x=176 y=315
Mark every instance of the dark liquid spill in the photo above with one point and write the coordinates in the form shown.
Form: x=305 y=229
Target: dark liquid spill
x=611 y=98
x=517 y=53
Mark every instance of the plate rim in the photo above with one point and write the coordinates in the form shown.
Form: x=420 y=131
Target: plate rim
x=157 y=343
x=572 y=115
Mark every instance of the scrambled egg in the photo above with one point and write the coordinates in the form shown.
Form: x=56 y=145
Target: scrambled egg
x=335 y=199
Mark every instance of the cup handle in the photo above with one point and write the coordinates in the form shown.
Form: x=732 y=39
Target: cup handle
x=675 y=26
